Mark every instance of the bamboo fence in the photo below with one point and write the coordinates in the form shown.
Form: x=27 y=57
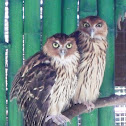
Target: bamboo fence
x=59 y=16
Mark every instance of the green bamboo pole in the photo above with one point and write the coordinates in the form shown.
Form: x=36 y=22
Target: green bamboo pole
x=69 y=16
x=15 y=55
x=31 y=27
x=106 y=115
x=88 y=8
x=51 y=18
x=2 y=67
x=69 y=25
x=120 y=10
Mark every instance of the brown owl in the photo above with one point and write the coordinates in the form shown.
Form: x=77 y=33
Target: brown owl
x=92 y=44
x=46 y=83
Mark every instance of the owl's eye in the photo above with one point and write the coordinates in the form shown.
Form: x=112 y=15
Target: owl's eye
x=86 y=25
x=99 y=25
x=69 y=46
x=55 y=45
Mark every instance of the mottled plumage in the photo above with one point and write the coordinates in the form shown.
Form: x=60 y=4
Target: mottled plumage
x=45 y=84
x=92 y=44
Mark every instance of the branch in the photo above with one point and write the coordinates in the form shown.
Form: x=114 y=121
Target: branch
x=100 y=103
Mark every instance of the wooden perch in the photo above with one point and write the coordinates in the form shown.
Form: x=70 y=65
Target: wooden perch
x=100 y=103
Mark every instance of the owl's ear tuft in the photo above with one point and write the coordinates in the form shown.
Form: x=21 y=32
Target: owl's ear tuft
x=71 y=39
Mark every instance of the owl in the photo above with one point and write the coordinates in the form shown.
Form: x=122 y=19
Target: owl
x=92 y=44
x=46 y=83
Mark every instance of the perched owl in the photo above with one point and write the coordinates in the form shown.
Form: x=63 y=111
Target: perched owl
x=45 y=84
x=92 y=44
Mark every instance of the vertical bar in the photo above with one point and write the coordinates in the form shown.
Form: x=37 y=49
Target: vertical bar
x=69 y=25
x=88 y=8
x=2 y=13
x=120 y=10
x=51 y=18
x=2 y=67
x=31 y=27
x=15 y=55
x=2 y=86
x=106 y=115
x=69 y=16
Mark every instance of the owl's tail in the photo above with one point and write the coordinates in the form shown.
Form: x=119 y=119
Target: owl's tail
x=33 y=116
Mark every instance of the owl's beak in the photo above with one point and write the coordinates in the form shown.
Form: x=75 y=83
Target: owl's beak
x=62 y=53
x=92 y=32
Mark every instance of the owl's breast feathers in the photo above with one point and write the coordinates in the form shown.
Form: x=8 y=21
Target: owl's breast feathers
x=91 y=68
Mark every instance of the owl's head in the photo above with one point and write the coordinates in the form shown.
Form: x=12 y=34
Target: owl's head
x=93 y=26
x=60 y=45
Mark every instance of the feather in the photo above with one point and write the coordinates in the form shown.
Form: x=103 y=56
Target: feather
x=92 y=58
x=46 y=83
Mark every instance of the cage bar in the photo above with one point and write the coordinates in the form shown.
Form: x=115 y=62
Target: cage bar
x=120 y=10
x=31 y=27
x=87 y=8
x=106 y=115
x=2 y=13
x=69 y=16
x=2 y=66
x=15 y=56
x=51 y=18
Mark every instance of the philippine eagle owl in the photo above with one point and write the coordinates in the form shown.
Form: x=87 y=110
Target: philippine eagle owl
x=92 y=44
x=46 y=83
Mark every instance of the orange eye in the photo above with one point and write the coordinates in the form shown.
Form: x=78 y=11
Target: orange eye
x=86 y=25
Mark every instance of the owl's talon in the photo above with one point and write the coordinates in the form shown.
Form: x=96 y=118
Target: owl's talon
x=90 y=106
x=58 y=119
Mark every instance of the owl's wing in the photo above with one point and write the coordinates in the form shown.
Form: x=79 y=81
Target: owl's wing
x=32 y=86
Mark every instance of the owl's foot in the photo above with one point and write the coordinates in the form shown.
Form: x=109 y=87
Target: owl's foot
x=90 y=106
x=58 y=119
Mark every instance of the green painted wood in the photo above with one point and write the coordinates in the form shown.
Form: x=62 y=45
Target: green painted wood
x=106 y=115
x=120 y=10
x=69 y=25
x=31 y=27
x=51 y=18
x=90 y=119
x=69 y=16
x=73 y=122
x=15 y=55
x=2 y=67
x=87 y=8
